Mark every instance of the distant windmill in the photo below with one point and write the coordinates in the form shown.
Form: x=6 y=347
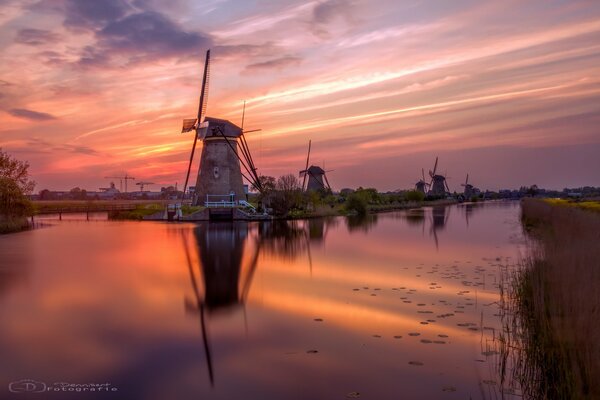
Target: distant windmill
x=315 y=174
x=142 y=184
x=220 y=173
x=438 y=183
x=468 y=192
x=422 y=185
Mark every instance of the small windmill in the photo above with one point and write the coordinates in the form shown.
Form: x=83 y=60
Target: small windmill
x=438 y=185
x=468 y=192
x=317 y=178
x=422 y=185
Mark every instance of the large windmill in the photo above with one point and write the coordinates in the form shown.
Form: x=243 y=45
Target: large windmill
x=317 y=178
x=224 y=153
x=422 y=185
x=438 y=185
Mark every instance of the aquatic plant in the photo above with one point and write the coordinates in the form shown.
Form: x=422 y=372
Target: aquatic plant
x=550 y=306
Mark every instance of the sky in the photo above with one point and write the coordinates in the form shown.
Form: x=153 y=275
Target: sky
x=506 y=91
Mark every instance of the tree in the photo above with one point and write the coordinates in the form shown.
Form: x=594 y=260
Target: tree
x=267 y=183
x=13 y=203
x=14 y=185
x=78 y=194
x=16 y=171
x=288 y=183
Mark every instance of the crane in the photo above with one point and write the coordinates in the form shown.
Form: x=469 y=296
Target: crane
x=121 y=179
x=143 y=183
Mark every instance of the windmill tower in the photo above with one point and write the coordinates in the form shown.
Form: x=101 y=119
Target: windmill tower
x=316 y=176
x=468 y=192
x=224 y=153
x=438 y=183
x=421 y=185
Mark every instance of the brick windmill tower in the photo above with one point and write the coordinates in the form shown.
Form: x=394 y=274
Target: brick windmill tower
x=438 y=183
x=224 y=153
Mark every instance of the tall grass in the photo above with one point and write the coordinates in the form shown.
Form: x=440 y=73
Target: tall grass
x=10 y=224
x=554 y=304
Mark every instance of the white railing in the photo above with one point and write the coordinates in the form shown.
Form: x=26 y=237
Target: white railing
x=246 y=204
x=221 y=203
x=220 y=200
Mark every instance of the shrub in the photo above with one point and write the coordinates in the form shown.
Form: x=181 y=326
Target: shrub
x=414 y=195
x=356 y=203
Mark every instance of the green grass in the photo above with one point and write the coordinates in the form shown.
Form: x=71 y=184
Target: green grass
x=140 y=211
x=588 y=205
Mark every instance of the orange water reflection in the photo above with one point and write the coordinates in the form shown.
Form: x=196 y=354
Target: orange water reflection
x=235 y=310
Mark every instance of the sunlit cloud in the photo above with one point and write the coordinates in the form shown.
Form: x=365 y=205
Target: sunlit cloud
x=106 y=87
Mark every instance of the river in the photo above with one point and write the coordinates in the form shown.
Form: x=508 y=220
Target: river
x=394 y=305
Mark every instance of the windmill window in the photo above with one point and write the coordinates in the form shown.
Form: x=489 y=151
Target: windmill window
x=216 y=172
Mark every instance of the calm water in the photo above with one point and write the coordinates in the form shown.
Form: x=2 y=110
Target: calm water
x=398 y=305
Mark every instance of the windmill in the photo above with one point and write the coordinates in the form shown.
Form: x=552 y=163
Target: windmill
x=141 y=184
x=316 y=175
x=220 y=174
x=468 y=192
x=121 y=179
x=422 y=185
x=438 y=185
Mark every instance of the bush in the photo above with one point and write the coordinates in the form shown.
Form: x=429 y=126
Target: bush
x=355 y=203
x=414 y=195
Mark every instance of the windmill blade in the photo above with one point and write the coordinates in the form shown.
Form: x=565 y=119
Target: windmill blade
x=204 y=92
x=467 y=180
x=200 y=119
x=423 y=174
x=306 y=168
x=327 y=181
x=189 y=124
x=435 y=166
x=446 y=183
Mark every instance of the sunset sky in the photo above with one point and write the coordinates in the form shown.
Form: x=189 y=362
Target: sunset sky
x=508 y=91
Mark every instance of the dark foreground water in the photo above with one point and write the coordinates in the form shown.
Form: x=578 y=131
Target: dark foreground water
x=398 y=305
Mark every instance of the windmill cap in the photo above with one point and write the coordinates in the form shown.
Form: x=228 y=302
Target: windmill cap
x=316 y=169
x=229 y=128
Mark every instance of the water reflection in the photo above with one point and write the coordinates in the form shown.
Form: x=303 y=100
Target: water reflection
x=350 y=305
x=361 y=223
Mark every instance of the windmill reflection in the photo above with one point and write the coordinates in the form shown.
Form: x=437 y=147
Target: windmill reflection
x=228 y=254
x=439 y=218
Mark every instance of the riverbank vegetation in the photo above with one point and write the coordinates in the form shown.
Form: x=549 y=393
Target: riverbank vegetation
x=284 y=198
x=15 y=184
x=557 y=302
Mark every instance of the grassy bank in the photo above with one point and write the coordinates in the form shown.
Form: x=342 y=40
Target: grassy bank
x=557 y=302
x=144 y=210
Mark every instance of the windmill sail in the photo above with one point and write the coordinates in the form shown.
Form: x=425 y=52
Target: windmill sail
x=200 y=119
x=188 y=125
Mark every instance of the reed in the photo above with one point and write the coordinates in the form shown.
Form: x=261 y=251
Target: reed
x=552 y=304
